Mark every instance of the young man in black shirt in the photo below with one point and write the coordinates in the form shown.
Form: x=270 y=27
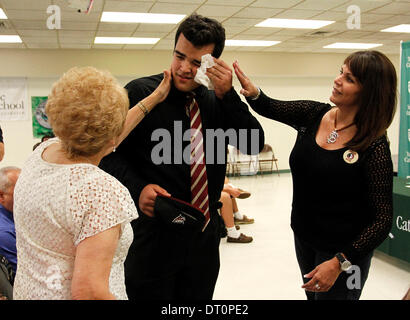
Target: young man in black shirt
x=162 y=263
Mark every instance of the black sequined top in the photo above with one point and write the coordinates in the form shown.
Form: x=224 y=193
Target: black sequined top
x=337 y=206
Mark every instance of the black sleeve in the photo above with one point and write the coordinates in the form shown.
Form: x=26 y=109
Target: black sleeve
x=296 y=113
x=379 y=177
x=237 y=116
x=1 y=136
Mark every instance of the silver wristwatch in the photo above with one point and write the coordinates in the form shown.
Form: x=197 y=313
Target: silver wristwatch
x=345 y=264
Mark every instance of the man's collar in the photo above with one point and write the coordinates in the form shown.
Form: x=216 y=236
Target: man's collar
x=177 y=94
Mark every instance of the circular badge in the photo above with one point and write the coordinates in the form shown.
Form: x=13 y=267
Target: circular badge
x=350 y=156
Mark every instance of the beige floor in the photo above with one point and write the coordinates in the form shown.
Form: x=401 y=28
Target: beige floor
x=266 y=269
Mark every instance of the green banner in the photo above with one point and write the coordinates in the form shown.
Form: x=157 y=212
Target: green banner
x=398 y=242
x=404 y=141
x=41 y=127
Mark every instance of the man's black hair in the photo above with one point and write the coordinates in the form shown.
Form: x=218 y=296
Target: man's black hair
x=201 y=31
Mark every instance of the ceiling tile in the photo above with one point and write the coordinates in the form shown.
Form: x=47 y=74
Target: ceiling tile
x=241 y=22
x=107 y=46
x=75 y=46
x=26 y=4
x=12 y=46
x=231 y=2
x=109 y=33
x=182 y=1
x=73 y=25
x=143 y=27
x=64 y=5
x=331 y=16
x=257 y=13
x=30 y=24
x=39 y=45
x=364 y=5
x=173 y=8
x=27 y=15
x=298 y=14
x=257 y=31
x=394 y=20
x=38 y=33
x=119 y=27
x=88 y=40
x=138 y=46
x=220 y=11
x=76 y=34
x=394 y=8
x=281 y=4
x=318 y=4
x=76 y=17
x=34 y=40
x=377 y=18
x=128 y=6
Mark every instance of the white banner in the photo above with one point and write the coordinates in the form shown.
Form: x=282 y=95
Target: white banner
x=13 y=99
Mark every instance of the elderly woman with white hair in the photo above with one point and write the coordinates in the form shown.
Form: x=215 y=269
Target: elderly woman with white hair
x=73 y=219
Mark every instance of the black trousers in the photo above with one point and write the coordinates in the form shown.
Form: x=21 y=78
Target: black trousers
x=165 y=265
x=346 y=287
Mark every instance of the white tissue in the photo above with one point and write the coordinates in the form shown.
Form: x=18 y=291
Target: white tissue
x=206 y=62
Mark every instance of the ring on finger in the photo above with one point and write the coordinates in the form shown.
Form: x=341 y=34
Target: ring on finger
x=317 y=286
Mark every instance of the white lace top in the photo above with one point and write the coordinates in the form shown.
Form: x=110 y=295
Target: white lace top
x=55 y=208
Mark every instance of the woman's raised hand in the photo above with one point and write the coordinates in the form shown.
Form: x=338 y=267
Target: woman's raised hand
x=248 y=88
x=163 y=89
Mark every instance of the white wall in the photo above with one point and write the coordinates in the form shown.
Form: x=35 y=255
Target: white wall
x=286 y=76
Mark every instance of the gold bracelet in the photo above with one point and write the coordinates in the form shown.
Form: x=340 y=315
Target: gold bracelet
x=143 y=108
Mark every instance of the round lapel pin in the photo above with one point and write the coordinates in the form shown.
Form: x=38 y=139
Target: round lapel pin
x=350 y=156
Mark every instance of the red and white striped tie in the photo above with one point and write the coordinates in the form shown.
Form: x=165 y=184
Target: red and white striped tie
x=199 y=180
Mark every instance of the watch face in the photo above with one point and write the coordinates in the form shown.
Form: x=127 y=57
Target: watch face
x=346 y=265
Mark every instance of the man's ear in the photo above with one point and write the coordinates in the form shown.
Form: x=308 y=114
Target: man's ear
x=1 y=197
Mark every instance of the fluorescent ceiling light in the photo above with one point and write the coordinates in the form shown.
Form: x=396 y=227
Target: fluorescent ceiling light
x=405 y=28
x=2 y=14
x=10 y=39
x=294 y=23
x=125 y=40
x=347 y=45
x=250 y=43
x=134 y=17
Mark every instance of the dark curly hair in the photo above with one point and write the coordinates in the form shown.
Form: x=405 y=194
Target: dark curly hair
x=201 y=31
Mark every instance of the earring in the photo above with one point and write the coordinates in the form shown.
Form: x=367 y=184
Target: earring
x=113 y=150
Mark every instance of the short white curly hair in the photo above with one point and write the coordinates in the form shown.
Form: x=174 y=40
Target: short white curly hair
x=86 y=109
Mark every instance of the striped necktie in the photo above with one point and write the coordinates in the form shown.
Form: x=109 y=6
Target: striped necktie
x=199 y=180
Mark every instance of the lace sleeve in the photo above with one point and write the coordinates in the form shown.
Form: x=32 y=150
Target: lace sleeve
x=99 y=204
x=296 y=113
x=379 y=174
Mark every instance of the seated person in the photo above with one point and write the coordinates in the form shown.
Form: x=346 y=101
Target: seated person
x=235 y=192
x=231 y=215
x=228 y=218
x=8 y=179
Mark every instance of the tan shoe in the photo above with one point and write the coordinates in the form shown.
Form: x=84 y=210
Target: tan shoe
x=242 y=239
x=244 y=220
x=244 y=194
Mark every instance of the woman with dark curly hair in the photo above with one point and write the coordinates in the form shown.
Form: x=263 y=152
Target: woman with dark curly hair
x=342 y=172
